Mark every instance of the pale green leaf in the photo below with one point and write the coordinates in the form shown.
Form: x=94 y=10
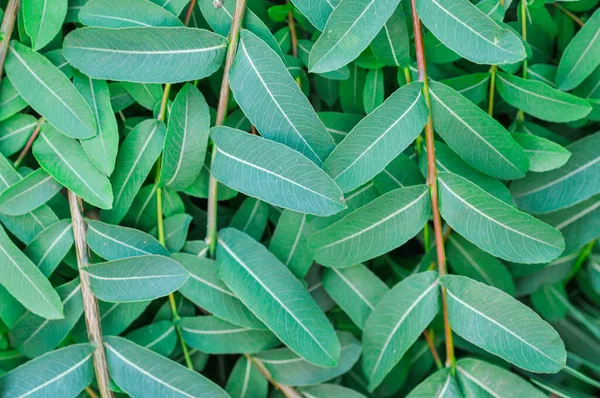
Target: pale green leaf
x=123 y=14
x=50 y=246
x=245 y=378
x=391 y=46
x=329 y=391
x=317 y=12
x=10 y=100
x=544 y=155
x=159 y=337
x=43 y=20
x=15 y=131
x=251 y=217
x=146 y=94
x=151 y=55
x=28 y=194
x=441 y=384
x=289 y=242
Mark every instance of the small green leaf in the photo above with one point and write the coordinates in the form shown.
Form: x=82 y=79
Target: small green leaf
x=28 y=194
x=289 y=242
x=50 y=246
x=544 y=155
x=159 y=337
x=317 y=12
x=15 y=131
x=329 y=391
x=120 y=14
x=136 y=278
x=391 y=46
x=43 y=21
x=10 y=100
x=245 y=377
x=441 y=384
x=251 y=218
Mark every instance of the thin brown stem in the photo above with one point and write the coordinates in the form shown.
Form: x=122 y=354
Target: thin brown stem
x=90 y=304
x=91 y=392
x=432 y=179
x=569 y=14
x=189 y=13
x=293 y=35
x=8 y=24
x=428 y=335
x=287 y=391
x=234 y=36
x=29 y=143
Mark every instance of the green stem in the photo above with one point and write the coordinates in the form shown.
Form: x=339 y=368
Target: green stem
x=492 y=90
x=583 y=255
x=586 y=379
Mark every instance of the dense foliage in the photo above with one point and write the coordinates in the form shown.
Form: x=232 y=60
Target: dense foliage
x=314 y=198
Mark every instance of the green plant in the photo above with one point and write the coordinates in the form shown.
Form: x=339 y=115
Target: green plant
x=379 y=209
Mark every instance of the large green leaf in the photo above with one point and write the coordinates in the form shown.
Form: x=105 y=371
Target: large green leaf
x=356 y=289
x=137 y=155
x=478 y=379
x=276 y=297
x=465 y=29
x=205 y=289
x=113 y=242
x=187 y=136
x=137 y=278
x=145 y=55
x=64 y=159
x=121 y=14
x=214 y=336
x=540 y=100
x=50 y=246
x=317 y=12
x=496 y=322
x=441 y=384
x=479 y=139
x=495 y=226
x=569 y=185
x=47 y=90
x=374 y=229
x=102 y=148
x=289 y=242
x=142 y=373
x=61 y=373
x=43 y=20
x=378 y=138
x=273 y=173
x=582 y=55
x=28 y=194
x=396 y=322
x=34 y=336
x=273 y=102
x=349 y=30
x=289 y=369
x=26 y=283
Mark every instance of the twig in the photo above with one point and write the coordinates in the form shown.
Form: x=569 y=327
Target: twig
x=90 y=304
x=432 y=179
x=569 y=14
x=492 y=90
x=430 y=342
x=293 y=35
x=29 y=143
x=583 y=255
x=234 y=35
x=8 y=24
x=288 y=391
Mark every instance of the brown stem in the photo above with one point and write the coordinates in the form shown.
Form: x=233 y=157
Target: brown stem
x=432 y=178
x=492 y=90
x=288 y=391
x=189 y=13
x=436 y=357
x=569 y=14
x=293 y=35
x=29 y=143
x=8 y=24
x=234 y=36
x=90 y=304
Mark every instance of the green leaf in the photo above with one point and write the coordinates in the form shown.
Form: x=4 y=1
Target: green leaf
x=10 y=100
x=349 y=30
x=65 y=373
x=289 y=242
x=50 y=246
x=478 y=378
x=289 y=369
x=540 y=100
x=401 y=172
x=473 y=87
x=15 y=131
x=113 y=242
x=245 y=377
x=495 y=226
x=396 y=322
x=102 y=148
x=329 y=391
x=469 y=32
x=550 y=302
x=49 y=92
x=186 y=140
x=356 y=289
x=441 y=384
x=376 y=228
x=475 y=136
x=137 y=154
x=378 y=138
x=43 y=20
x=147 y=95
x=273 y=102
x=569 y=185
x=141 y=372
x=120 y=14
x=152 y=55
x=317 y=12
x=174 y=6
x=136 y=278
x=468 y=260
x=496 y=322
x=391 y=45
x=373 y=94
x=297 y=322
x=214 y=336
x=159 y=337
x=581 y=56
x=273 y=173
x=351 y=91
x=176 y=230
x=28 y=194
x=26 y=283
x=64 y=159
x=544 y=155
x=251 y=218
x=205 y=289
x=34 y=336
